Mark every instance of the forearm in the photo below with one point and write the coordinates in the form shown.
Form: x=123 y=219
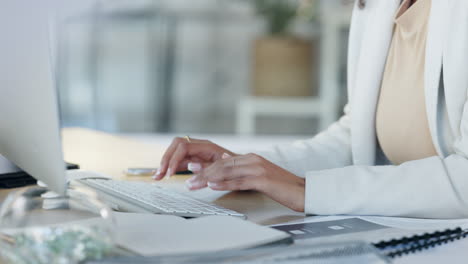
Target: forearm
x=288 y=190
x=428 y=188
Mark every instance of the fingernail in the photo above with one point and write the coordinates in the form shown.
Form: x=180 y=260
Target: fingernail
x=225 y=156
x=194 y=167
x=188 y=184
x=194 y=183
x=212 y=185
x=192 y=179
x=169 y=173
x=157 y=174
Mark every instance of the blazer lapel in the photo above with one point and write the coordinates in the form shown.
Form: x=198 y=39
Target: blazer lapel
x=433 y=68
x=370 y=67
x=455 y=60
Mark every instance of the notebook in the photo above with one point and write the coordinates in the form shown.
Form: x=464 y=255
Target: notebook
x=392 y=236
x=329 y=229
x=407 y=245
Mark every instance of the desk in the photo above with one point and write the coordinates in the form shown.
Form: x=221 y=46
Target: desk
x=111 y=155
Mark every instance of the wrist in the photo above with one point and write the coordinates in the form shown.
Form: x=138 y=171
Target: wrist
x=289 y=191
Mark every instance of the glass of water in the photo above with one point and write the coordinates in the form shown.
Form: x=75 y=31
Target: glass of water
x=37 y=226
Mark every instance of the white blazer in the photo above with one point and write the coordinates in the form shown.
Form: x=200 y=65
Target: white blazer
x=342 y=165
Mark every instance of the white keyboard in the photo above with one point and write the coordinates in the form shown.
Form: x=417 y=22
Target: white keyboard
x=155 y=199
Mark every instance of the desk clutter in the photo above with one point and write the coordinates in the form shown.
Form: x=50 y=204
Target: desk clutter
x=105 y=233
x=305 y=250
x=37 y=226
x=151 y=238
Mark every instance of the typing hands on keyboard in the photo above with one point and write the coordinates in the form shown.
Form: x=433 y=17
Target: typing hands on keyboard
x=157 y=199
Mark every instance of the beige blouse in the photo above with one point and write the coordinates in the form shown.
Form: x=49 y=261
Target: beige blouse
x=401 y=121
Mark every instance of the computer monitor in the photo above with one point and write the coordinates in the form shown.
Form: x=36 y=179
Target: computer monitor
x=29 y=122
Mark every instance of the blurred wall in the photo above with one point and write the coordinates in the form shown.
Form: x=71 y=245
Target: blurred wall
x=137 y=72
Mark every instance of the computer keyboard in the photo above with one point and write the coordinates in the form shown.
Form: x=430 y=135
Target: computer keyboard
x=156 y=199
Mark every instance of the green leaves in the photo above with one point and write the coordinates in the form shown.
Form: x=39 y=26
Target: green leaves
x=278 y=13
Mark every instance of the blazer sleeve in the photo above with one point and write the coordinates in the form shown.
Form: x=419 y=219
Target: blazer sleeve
x=434 y=187
x=329 y=149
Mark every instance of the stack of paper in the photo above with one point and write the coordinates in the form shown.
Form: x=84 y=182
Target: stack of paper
x=151 y=235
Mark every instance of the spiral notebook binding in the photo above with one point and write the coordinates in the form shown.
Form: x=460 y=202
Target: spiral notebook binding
x=408 y=245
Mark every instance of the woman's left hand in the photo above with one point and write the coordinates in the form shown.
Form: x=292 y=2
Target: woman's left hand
x=252 y=172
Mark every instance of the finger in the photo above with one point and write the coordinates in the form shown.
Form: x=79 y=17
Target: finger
x=195 y=140
x=170 y=152
x=181 y=168
x=195 y=183
x=187 y=150
x=196 y=167
x=229 y=169
x=238 y=184
x=185 y=164
x=167 y=157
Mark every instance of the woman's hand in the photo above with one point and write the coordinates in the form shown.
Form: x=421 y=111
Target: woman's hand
x=252 y=172
x=184 y=151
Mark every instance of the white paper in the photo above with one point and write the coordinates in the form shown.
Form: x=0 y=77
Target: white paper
x=152 y=235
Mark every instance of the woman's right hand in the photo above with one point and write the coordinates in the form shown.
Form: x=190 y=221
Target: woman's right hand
x=183 y=151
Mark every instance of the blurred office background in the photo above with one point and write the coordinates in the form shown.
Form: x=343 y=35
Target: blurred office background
x=203 y=66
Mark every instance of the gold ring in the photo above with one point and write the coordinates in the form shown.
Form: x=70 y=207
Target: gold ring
x=188 y=139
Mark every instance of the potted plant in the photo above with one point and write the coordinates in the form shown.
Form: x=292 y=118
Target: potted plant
x=283 y=63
